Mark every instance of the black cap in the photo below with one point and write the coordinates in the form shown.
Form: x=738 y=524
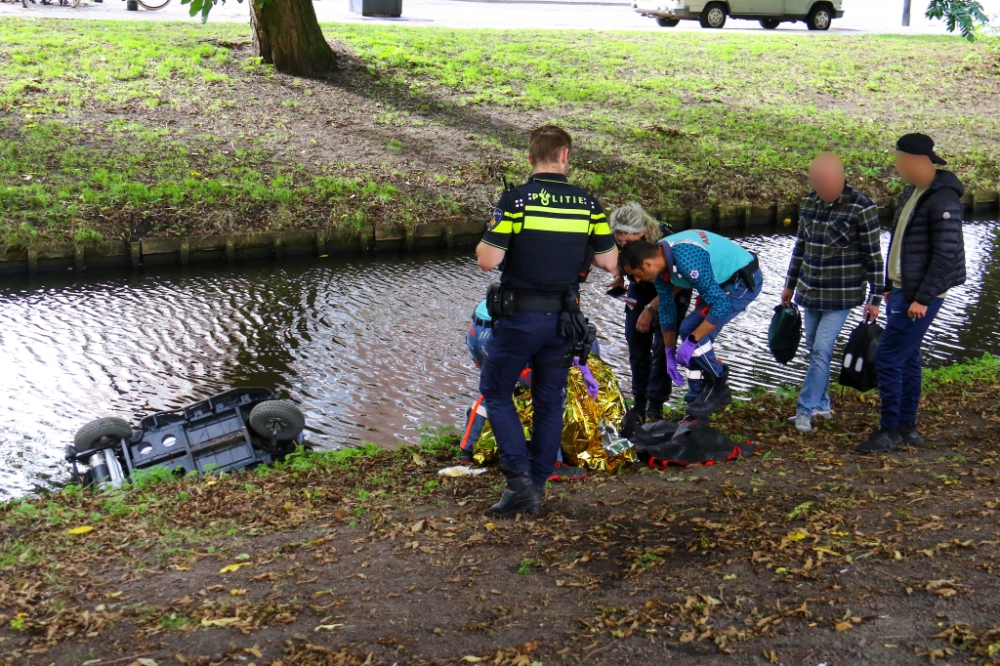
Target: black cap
x=919 y=144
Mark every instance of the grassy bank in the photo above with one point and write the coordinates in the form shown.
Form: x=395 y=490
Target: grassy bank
x=120 y=129
x=804 y=552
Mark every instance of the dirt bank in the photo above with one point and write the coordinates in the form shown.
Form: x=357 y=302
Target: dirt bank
x=803 y=554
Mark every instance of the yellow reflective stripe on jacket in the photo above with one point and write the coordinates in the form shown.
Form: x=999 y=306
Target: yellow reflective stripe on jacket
x=600 y=229
x=580 y=212
x=505 y=226
x=536 y=223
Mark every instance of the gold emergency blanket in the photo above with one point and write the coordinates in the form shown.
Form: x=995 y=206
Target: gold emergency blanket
x=582 y=443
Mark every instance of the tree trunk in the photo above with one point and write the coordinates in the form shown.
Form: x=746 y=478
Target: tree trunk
x=287 y=35
x=906 y=13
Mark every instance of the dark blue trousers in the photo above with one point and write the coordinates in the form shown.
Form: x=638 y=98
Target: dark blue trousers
x=898 y=362
x=646 y=359
x=522 y=339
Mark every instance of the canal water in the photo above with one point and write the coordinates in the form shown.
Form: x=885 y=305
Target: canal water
x=372 y=347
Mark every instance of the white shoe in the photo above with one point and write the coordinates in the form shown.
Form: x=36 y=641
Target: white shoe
x=824 y=415
x=803 y=422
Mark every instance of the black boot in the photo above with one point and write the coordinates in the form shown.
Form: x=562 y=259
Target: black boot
x=908 y=433
x=715 y=395
x=655 y=412
x=640 y=413
x=521 y=496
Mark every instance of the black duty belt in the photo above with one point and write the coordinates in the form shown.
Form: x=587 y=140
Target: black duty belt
x=536 y=303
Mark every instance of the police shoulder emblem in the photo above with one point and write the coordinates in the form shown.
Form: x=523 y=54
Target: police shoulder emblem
x=497 y=216
x=694 y=274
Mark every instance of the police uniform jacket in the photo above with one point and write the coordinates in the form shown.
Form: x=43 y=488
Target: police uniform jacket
x=546 y=226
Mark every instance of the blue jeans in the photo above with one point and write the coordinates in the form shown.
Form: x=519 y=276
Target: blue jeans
x=705 y=365
x=822 y=330
x=522 y=339
x=898 y=362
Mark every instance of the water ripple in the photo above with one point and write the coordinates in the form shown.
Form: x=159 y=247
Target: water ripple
x=372 y=347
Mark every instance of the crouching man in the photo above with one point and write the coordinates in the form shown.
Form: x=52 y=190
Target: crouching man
x=727 y=278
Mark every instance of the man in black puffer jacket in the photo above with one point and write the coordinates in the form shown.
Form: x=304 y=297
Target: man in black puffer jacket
x=926 y=259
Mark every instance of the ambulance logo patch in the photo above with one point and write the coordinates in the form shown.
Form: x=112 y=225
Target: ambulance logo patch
x=694 y=274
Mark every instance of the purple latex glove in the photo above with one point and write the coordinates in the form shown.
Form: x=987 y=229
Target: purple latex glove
x=588 y=378
x=672 y=370
x=686 y=352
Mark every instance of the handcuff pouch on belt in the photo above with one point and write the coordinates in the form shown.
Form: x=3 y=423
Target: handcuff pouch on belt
x=499 y=301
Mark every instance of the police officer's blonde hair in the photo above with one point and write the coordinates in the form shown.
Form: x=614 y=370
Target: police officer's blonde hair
x=632 y=219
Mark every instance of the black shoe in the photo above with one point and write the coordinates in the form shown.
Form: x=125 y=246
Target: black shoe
x=715 y=394
x=881 y=441
x=655 y=412
x=639 y=411
x=910 y=437
x=521 y=496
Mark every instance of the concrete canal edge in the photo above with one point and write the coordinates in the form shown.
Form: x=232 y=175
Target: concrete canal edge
x=138 y=253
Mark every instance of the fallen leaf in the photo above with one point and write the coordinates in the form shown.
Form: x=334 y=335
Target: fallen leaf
x=328 y=627
x=472 y=660
x=842 y=626
x=417 y=526
x=796 y=536
x=221 y=622
x=237 y=592
x=419 y=461
x=83 y=529
x=935 y=584
x=229 y=568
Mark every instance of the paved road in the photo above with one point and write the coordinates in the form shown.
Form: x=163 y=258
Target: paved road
x=862 y=16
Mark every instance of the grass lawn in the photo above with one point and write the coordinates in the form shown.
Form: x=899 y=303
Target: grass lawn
x=803 y=553
x=117 y=129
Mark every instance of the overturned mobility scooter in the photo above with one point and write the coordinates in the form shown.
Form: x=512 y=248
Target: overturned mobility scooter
x=234 y=430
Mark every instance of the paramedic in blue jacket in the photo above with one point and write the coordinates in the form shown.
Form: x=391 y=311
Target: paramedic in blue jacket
x=727 y=278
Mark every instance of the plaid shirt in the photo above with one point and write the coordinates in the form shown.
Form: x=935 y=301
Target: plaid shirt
x=837 y=252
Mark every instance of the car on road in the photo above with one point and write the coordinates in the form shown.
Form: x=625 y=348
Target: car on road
x=817 y=14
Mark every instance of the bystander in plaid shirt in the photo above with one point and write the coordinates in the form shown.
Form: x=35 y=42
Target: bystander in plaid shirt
x=837 y=256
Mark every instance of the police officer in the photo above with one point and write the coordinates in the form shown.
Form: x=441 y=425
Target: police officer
x=727 y=278
x=540 y=232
